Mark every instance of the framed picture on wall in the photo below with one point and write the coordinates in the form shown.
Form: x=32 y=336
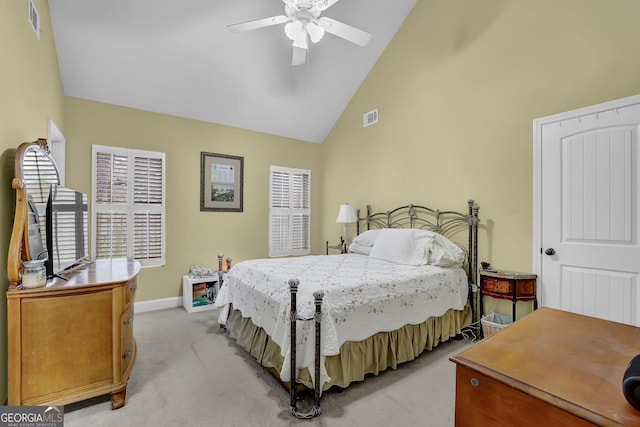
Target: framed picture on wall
x=221 y=182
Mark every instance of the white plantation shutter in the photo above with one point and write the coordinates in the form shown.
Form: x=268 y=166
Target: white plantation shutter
x=110 y=234
x=148 y=205
x=128 y=210
x=290 y=211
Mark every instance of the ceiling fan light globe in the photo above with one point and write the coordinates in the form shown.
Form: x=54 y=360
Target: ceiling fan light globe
x=293 y=30
x=296 y=32
x=301 y=43
x=315 y=32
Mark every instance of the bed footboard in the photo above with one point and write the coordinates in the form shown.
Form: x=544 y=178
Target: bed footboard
x=293 y=405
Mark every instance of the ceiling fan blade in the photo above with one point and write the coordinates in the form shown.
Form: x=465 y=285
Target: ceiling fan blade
x=258 y=23
x=347 y=32
x=327 y=4
x=299 y=56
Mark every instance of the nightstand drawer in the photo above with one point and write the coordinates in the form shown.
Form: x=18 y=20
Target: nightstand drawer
x=508 y=287
x=492 y=285
x=526 y=289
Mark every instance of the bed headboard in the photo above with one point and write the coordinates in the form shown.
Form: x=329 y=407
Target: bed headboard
x=446 y=223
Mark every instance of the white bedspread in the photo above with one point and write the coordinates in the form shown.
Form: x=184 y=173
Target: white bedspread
x=362 y=296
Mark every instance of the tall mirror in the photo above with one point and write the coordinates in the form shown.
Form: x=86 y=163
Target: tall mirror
x=35 y=171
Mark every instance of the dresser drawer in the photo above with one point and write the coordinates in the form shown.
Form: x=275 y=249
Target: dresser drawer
x=126 y=337
x=130 y=290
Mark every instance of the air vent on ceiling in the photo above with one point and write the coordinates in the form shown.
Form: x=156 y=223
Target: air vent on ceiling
x=34 y=19
x=370 y=118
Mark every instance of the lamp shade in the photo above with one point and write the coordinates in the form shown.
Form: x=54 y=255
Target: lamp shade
x=347 y=214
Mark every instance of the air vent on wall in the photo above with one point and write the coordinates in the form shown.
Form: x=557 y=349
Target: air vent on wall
x=34 y=19
x=370 y=118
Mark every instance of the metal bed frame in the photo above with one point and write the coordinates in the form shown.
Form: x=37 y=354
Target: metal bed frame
x=446 y=223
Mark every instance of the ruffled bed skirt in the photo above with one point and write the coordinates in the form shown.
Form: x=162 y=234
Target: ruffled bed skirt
x=356 y=359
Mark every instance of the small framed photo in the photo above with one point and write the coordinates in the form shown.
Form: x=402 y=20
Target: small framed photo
x=221 y=182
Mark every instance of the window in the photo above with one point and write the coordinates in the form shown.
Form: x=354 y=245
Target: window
x=289 y=212
x=128 y=204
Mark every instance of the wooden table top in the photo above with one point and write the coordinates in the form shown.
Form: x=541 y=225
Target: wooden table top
x=102 y=272
x=571 y=361
x=506 y=274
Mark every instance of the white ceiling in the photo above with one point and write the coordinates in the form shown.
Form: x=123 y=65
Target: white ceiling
x=176 y=57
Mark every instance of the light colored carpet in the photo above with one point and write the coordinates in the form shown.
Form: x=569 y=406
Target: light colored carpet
x=187 y=373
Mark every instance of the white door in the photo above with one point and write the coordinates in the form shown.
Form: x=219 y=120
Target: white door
x=586 y=237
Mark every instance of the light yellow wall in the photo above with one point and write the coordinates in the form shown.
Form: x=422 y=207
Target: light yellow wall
x=30 y=94
x=193 y=237
x=457 y=91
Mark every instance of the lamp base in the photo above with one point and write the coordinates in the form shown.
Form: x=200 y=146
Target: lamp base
x=346 y=234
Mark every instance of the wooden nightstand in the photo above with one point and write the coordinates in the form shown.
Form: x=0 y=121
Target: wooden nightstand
x=508 y=285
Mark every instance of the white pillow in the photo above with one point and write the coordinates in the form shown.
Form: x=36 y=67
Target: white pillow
x=402 y=246
x=368 y=238
x=445 y=253
x=355 y=248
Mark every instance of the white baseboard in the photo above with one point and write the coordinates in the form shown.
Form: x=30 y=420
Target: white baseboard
x=157 y=304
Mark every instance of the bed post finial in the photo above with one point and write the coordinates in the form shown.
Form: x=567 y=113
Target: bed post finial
x=318 y=295
x=293 y=285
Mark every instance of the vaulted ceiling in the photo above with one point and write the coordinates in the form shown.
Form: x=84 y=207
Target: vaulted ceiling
x=177 y=57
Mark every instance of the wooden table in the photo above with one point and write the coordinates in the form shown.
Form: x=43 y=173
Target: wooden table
x=549 y=368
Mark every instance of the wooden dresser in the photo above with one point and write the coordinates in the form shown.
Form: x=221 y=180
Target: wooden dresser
x=549 y=368
x=72 y=340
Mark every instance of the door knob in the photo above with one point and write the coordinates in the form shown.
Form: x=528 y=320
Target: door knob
x=550 y=251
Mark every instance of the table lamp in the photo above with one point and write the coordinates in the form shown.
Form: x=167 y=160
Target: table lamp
x=346 y=216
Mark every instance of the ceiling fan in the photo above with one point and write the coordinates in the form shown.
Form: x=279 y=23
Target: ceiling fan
x=304 y=23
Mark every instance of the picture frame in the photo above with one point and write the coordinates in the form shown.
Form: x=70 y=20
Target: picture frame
x=221 y=182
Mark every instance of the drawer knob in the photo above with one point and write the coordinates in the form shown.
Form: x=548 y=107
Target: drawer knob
x=127 y=321
x=127 y=354
x=475 y=382
x=133 y=288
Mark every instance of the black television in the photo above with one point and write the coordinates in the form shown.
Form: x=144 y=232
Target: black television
x=66 y=230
